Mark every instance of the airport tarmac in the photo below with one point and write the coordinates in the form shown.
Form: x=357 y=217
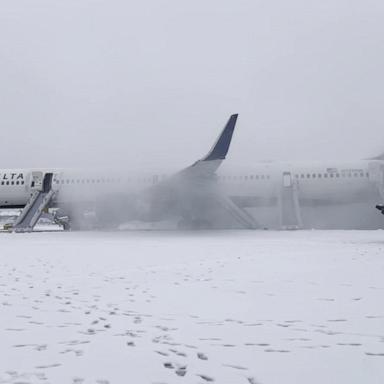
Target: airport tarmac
x=256 y=307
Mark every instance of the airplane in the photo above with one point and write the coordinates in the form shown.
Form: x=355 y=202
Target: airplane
x=114 y=196
x=207 y=194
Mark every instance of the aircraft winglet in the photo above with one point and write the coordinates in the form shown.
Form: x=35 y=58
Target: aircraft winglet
x=220 y=148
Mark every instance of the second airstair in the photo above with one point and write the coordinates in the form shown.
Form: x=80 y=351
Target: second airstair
x=289 y=207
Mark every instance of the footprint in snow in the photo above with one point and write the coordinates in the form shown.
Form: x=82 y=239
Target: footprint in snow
x=235 y=367
x=48 y=366
x=181 y=371
x=374 y=354
x=178 y=353
x=277 y=350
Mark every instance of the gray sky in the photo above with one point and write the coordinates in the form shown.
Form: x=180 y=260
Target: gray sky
x=152 y=82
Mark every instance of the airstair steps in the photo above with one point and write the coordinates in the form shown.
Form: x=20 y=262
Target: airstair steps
x=38 y=202
x=239 y=214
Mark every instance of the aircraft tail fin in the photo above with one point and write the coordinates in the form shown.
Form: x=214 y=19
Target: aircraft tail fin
x=221 y=146
x=212 y=160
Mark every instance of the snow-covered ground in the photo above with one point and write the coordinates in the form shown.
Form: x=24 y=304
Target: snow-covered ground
x=196 y=307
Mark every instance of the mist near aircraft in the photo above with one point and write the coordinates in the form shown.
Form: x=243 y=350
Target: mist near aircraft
x=144 y=84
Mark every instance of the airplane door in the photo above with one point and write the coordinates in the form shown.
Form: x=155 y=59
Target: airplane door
x=287 y=179
x=37 y=181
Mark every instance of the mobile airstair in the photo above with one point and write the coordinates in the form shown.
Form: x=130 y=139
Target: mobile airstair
x=240 y=215
x=289 y=207
x=39 y=201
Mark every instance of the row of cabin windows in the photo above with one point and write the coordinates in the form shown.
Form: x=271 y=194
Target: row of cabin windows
x=300 y=176
x=154 y=179
x=18 y=182
x=332 y=175
x=223 y=178
x=250 y=177
x=86 y=181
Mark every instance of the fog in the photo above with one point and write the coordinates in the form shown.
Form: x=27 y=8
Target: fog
x=88 y=83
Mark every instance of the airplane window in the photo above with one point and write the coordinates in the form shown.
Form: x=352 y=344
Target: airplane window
x=331 y=175
x=251 y=177
x=262 y=176
x=361 y=174
x=367 y=174
x=17 y=183
x=319 y=175
x=12 y=183
x=325 y=175
x=302 y=176
x=308 y=175
x=337 y=175
x=268 y=177
x=7 y=183
x=246 y=177
x=355 y=174
x=257 y=177
x=314 y=175
x=2 y=183
x=22 y=182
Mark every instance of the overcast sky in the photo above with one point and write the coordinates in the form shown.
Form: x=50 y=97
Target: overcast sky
x=152 y=82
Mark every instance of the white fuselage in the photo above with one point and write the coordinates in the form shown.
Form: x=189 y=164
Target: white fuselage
x=256 y=188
